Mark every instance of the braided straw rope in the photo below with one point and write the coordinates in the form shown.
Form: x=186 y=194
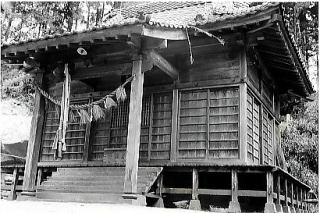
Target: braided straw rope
x=82 y=106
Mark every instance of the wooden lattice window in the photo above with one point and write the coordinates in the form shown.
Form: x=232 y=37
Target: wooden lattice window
x=75 y=136
x=267 y=138
x=253 y=130
x=161 y=126
x=209 y=123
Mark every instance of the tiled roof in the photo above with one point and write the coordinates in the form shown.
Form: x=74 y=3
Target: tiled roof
x=171 y=15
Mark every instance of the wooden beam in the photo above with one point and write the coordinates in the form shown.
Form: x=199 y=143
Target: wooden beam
x=148 y=43
x=74 y=38
x=134 y=128
x=13 y=194
x=101 y=71
x=164 y=33
x=30 y=173
x=163 y=64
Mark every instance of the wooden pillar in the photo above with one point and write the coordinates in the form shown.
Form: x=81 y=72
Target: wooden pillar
x=195 y=202
x=15 y=178
x=278 y=203
x=134 y=128
x=305 y=198
x=243 y=105
x=293 y=210
x=298 y=200
x=269 y=207
x=30 y=172
x=175 y=111
x=39 y=177
x=286 y=207
x=234 y=205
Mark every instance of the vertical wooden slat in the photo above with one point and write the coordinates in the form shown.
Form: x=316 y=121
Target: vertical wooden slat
x=134 y=128
x=243 y=122
x=87 y=137
x=34 y=142
x=150 y=127
x=174 y=130
x=195 y=184
x=13 y=194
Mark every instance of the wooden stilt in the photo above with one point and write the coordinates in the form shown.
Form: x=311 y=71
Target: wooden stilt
x=134 y=128
x=234 y=205
x=39 y=177
x=286 y=207
x=298 y=199
x=195 y=202
x=30 y=172
x=13 y=194
x=278 y=203
x=293 y=210
x=269 y=207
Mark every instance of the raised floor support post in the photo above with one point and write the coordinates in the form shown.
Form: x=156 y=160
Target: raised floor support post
x=234 y=205
x=269 y=207
x=293 y=210
x=278 y=203
x=31 y=166
x=298 y=200
x=286 y=207
x=133 y=138
x=195 y=202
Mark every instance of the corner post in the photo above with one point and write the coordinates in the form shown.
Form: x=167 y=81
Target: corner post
x=30 y=172
x=269 y=207
x=243 y=106
x=133 y=138
x=234 y=205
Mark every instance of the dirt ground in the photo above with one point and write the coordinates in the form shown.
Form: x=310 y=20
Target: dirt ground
x=55 y=207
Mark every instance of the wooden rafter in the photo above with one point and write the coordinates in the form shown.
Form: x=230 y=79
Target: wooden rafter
x=163 y=64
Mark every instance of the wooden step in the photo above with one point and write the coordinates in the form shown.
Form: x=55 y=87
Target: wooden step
x=92 y=182
x=75 y=188
x=81 y=197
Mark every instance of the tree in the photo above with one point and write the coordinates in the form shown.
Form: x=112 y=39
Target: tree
x=300 y=142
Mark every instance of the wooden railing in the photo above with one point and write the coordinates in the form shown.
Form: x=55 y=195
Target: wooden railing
x=11 y=183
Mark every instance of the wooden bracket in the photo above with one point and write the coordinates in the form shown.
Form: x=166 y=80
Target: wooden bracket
x=162 y=63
